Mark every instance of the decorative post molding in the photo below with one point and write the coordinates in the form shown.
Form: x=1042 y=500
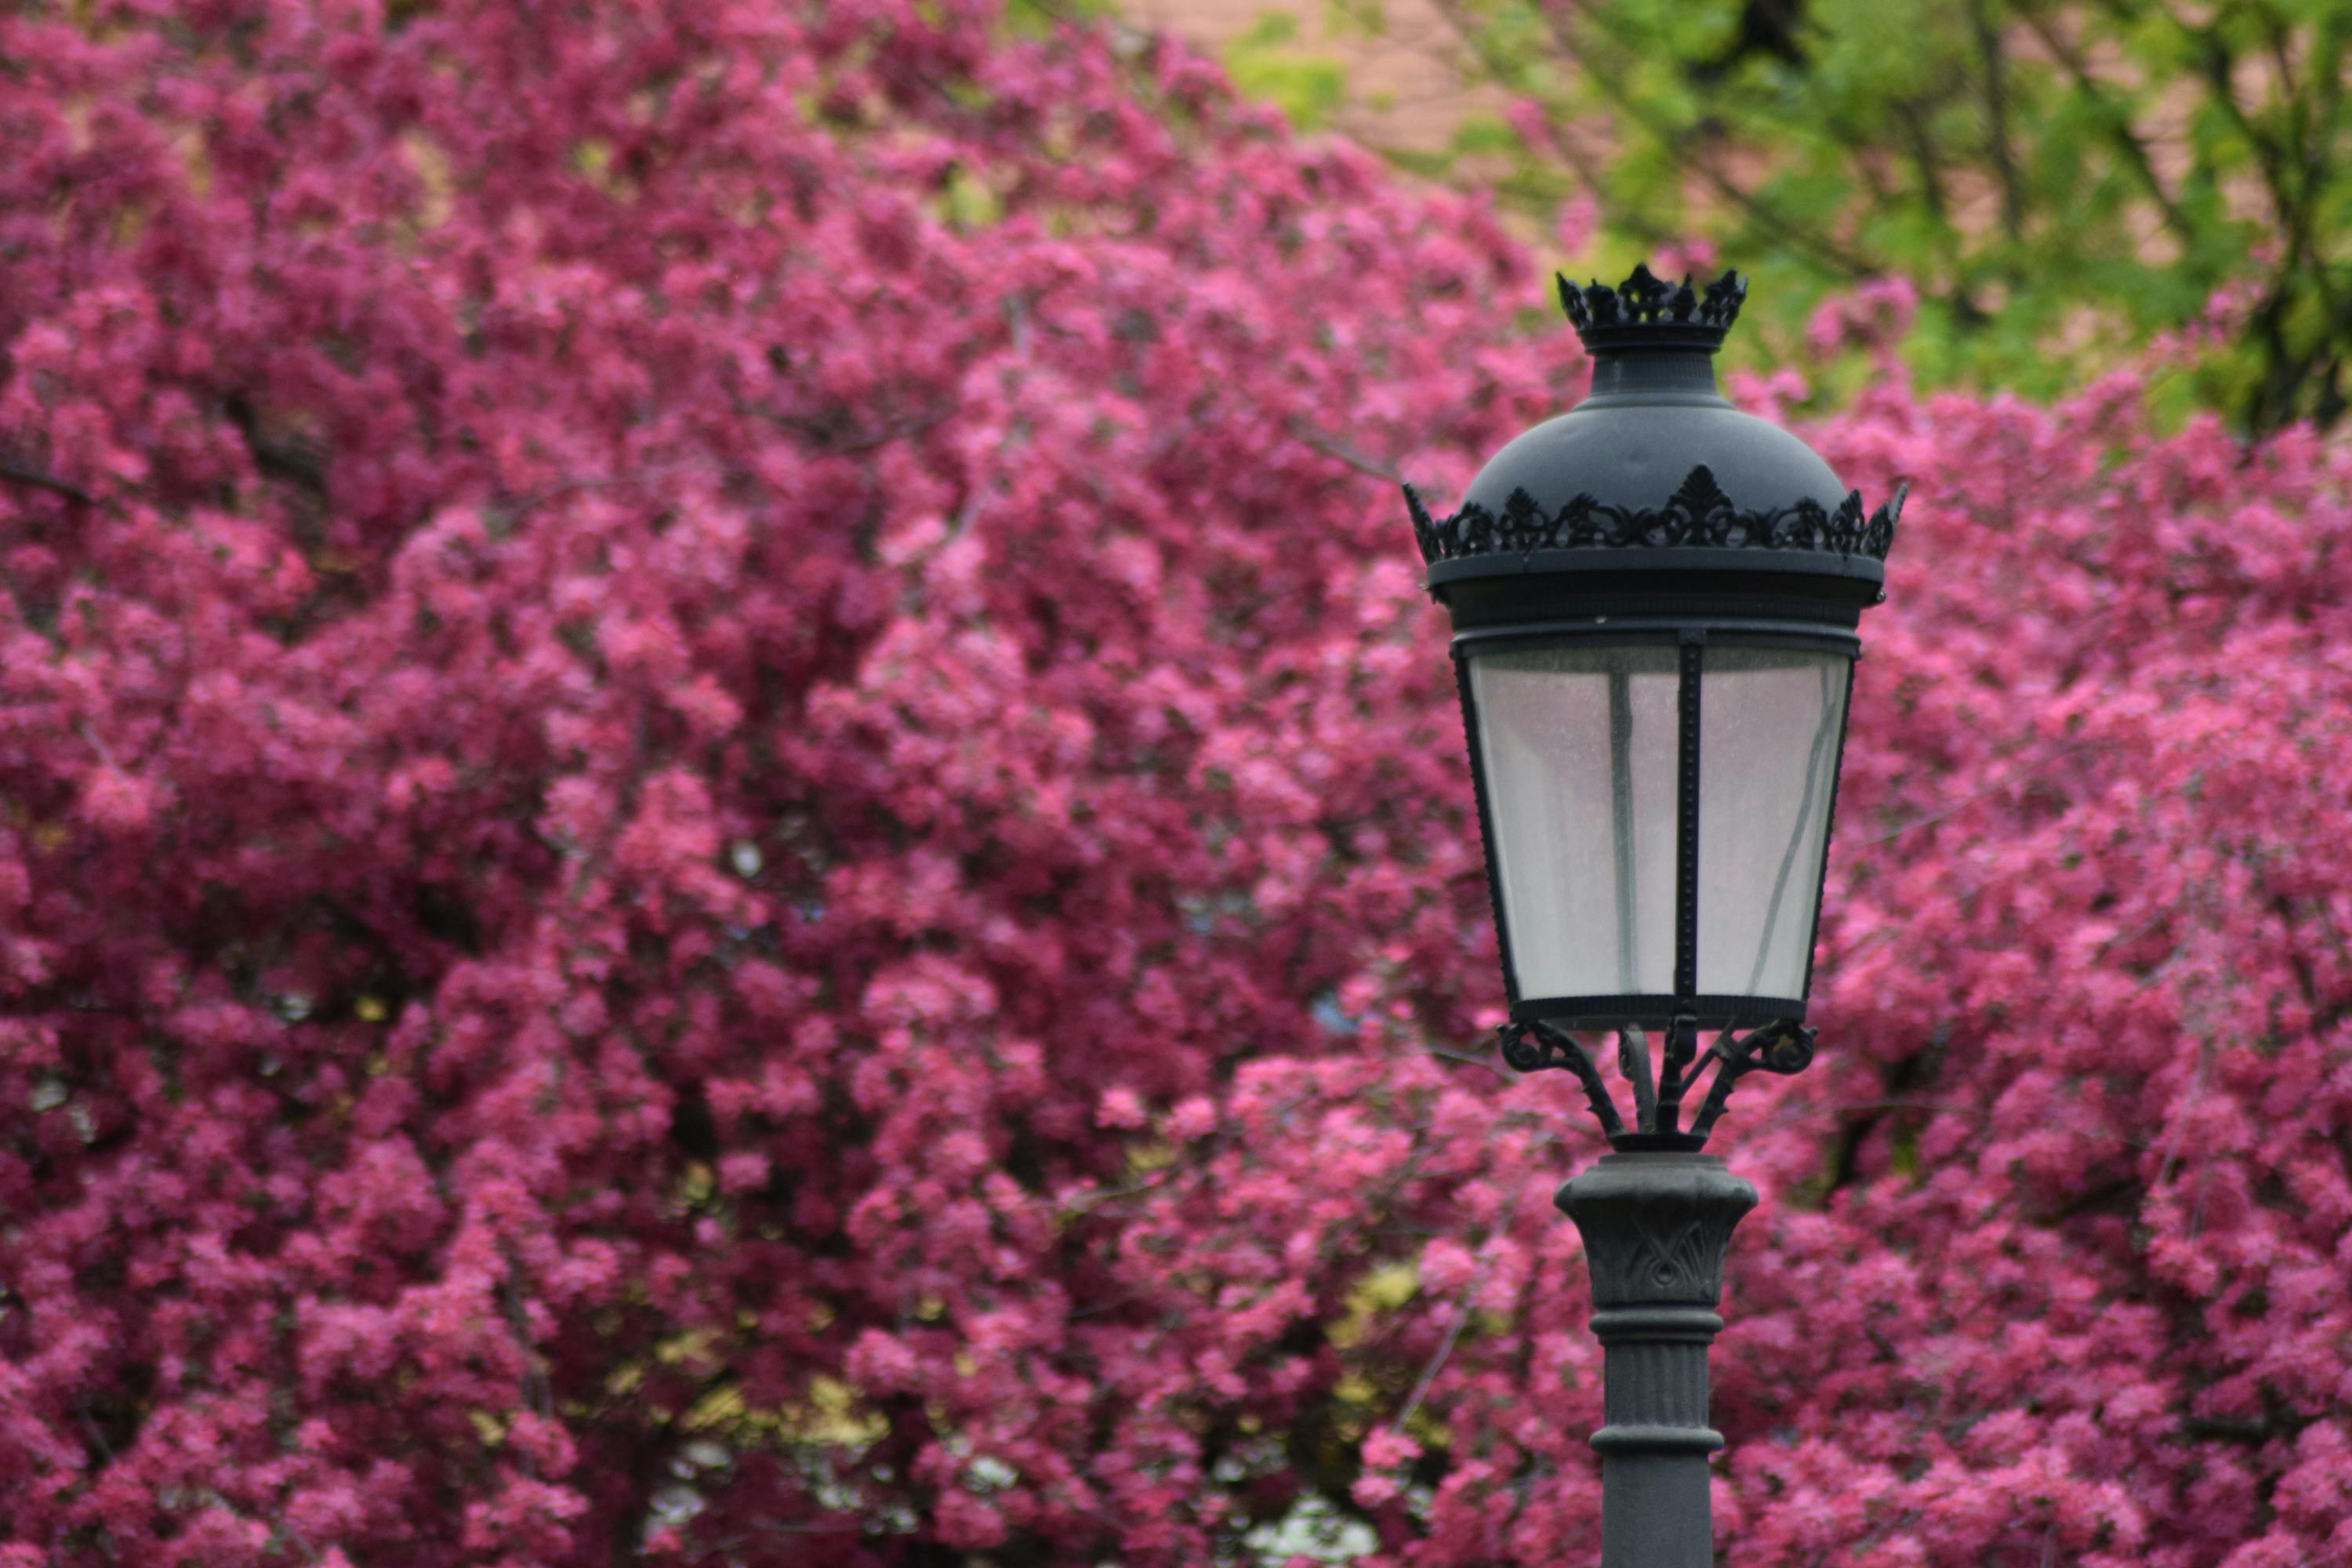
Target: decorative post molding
x=1655 y=1223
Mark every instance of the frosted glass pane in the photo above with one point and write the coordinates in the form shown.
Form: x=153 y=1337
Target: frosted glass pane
x=1770 y=721
x=1578 y=748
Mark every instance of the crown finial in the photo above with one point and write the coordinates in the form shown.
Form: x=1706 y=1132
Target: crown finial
x=1646 y=312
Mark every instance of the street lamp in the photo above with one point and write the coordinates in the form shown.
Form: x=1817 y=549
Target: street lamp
x=1654 y=599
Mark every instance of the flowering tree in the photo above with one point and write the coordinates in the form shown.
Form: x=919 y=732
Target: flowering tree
x=730 y=834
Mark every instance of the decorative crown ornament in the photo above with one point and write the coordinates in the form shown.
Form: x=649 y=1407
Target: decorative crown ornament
x=1645 y=309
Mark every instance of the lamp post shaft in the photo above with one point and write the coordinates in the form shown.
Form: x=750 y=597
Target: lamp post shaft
x=1655 y=1224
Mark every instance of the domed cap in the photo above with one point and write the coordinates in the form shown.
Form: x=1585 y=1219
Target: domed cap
x=1654 y=456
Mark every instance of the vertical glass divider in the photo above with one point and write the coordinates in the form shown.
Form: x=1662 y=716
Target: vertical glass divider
x=1620 y=790
x=1686 y=828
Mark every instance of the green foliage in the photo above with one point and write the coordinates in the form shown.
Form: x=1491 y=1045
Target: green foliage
x=1039 y=18
x=1308 y=89
x=2062 y=181
x=1365 y=18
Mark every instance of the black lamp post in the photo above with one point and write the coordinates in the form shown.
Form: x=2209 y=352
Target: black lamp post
x=1654 y=599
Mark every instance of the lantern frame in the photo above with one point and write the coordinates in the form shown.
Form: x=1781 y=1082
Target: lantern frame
x=1691 y=639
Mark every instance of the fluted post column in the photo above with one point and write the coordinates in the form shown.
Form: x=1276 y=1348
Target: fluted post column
x=1655 y=1224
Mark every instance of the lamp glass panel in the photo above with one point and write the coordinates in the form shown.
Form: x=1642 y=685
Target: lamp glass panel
x=1771 y=722
x=1578 y=746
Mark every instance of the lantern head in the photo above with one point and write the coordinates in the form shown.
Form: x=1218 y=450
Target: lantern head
x=1654 y=600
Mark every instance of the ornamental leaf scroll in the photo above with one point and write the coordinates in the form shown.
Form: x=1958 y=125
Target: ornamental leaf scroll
x=1698 y=514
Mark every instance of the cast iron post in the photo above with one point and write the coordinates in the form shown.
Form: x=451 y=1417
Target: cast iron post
x=1655 y=1223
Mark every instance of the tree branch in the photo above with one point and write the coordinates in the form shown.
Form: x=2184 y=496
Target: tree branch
x=2116 y=120
x=1822 y=247
x=1461 y=1317
x=41 y=479
x=2219 y=66
x=1340 y=451
x=1996 y=98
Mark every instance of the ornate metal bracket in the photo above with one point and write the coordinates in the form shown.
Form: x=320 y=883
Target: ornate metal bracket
x=1557 y=1049
x=1781 y=1046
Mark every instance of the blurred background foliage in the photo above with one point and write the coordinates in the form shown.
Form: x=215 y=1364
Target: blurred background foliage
x=2064 y=181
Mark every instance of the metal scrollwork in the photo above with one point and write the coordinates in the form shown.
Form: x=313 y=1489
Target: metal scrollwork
x=1782 y=1047
x=1699 y=513
x=1551 y=1048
